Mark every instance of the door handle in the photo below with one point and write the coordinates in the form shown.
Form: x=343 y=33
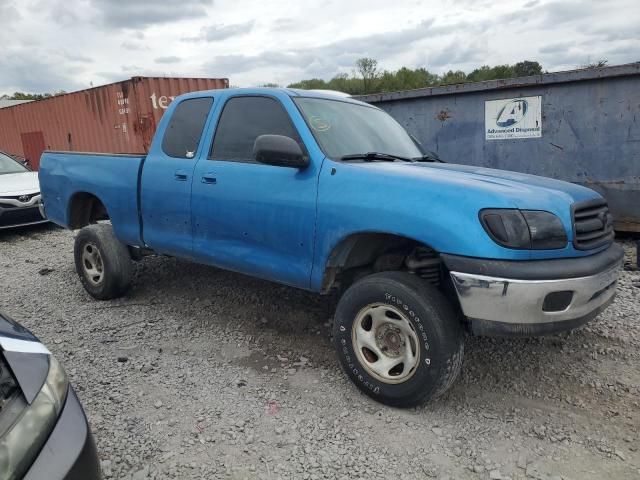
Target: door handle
x=209 y=178
x=180 y=175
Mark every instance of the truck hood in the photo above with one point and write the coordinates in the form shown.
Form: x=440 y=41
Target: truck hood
x=12 y=184
x=520 y=189
x=467 y=189
x=439 y=204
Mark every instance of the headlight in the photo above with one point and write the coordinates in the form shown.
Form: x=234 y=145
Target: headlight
x=23 y=441
x=524 y=229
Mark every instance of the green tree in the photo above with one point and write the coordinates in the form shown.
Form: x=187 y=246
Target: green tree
x=310 y=84
x=368 y=69
x=405 y=79
x=343 y=83
x=453 y=77
x=503 y=71
x=31 y=96
x=480 y=74
x=366 y=78
x=527 y=68
x=599 y=64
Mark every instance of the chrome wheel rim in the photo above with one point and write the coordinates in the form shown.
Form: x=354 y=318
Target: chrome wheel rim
x=385 y=343
x=92 y=264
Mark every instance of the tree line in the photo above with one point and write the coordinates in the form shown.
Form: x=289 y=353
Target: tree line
x=368 y=78
x=30 y=96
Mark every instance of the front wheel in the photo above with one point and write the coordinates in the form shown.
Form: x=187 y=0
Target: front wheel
x=103 y=263
x=398 y=338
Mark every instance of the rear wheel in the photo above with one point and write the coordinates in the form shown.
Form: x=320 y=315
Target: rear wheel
x=398 y=338
x=103 y=263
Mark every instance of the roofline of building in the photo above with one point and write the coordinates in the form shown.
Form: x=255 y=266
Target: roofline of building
x=99 y=87
x=629 y=69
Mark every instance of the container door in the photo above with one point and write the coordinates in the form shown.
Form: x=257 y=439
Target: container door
x=33 y=146
x=250 y=217
x=165 y=190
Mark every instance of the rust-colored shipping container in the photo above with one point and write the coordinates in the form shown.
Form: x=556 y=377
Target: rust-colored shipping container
x=116 y=118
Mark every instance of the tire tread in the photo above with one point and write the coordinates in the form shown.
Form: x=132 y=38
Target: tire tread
x=115 y=257
x=447 y=324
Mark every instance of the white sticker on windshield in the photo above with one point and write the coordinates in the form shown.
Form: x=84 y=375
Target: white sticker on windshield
x=319 y=124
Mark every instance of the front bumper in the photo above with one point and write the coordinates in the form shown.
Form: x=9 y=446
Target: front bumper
x=70 y=452
x=497 y=303
x=14 y=213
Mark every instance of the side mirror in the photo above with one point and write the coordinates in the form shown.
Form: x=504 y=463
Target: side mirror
x=280 y=151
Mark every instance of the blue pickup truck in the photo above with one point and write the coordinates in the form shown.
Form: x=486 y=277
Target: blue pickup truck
x=330 y=194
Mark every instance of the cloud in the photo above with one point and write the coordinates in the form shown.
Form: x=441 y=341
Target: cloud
x=557 y=13
x=143 y=13
x=552 y=15
x=77 y=57
x=12 y=18
x=457 y=53
x=327 y=60
x=56 y=44
x=130 y=45
x=623 y=32
x=134 y=70
x=168 y=59
x=554 y=48
x=243 y=63
x=280 y=24
x=215 y=33
x=630 y=50
x=25 y=71
x=9 y=13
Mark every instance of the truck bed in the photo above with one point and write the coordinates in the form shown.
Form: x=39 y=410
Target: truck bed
x=112 y=178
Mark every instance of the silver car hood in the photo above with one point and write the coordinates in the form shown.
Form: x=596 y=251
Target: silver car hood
x=23 y=183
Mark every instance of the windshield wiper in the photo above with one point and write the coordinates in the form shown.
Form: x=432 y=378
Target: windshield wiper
x=372 y=156
x=428 y=156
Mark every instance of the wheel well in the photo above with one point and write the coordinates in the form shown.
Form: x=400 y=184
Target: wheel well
x=365 y=253
x=85 y=209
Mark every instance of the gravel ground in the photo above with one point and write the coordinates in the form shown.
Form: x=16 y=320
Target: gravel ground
x=200 y=374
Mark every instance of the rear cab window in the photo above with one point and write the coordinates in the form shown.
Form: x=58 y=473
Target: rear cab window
x=244 y=119
x=182 y=137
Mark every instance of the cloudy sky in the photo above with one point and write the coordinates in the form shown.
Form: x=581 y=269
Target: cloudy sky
x=48 y=45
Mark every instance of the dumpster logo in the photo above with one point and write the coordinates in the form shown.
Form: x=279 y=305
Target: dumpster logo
x=513 y=118
x=512 y=113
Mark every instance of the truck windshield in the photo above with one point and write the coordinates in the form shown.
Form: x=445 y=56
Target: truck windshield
x=9 y=165
x=345 y=128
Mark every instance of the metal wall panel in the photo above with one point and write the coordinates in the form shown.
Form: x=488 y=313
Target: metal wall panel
x=116 y=118
x=590 y=129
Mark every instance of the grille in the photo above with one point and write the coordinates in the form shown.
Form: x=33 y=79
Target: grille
x=592 y=224
x=18 y=216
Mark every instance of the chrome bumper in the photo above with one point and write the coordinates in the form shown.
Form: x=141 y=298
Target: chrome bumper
x=520 y=302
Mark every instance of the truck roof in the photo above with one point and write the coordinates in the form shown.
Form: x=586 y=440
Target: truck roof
x=291 y=92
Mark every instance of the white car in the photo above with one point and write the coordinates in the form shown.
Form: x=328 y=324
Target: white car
x=20 y=201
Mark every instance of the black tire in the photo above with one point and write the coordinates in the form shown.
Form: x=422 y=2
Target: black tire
x=113 y=279
x=437 y=327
